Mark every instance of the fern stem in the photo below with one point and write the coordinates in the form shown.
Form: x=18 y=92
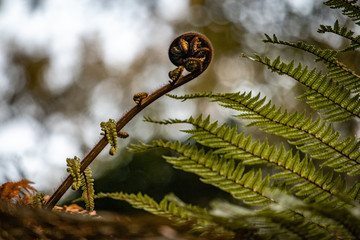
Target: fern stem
x=181 y=80
x=120 y=124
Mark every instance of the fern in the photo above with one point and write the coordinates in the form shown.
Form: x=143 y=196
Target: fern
x=74 y=170
x=325 y=55
x=87 y=184
x=300 y=173
x=247 y=186
x=343 y=32
x=20 y=192
x=350 y=9
x=337 y=71
x=343 y=221
x=82 y=180
x=220 y=172
x=303 y=199
x=170 y=207
x=315 y=138
x=109 y=130
x=275 y=221
x=334 y=101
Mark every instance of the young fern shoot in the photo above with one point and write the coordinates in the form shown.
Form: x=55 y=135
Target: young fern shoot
x=192 y=51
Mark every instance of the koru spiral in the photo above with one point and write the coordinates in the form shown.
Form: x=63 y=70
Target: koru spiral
x=190 y=51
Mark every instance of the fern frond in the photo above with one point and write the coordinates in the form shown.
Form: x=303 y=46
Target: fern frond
x=339 y=221
x=224 y=174
x=307 y=183
x=299 y=227
x=82 y=180
x=333 y=100
x=337 y=71
x=38 y=200
x=20 y=192
x=220 y=172
x=273 y=223
x=109 y=130
x=74 y=170
x=87 y=184
x=325 y=55
x=344 y=32
x=343 y=220
x=174 y=210
x=315 y=138
x=350 y=9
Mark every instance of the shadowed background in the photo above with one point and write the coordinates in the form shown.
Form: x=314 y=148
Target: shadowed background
x=65 y=66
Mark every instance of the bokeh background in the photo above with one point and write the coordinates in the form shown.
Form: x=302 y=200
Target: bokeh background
x=65 y=66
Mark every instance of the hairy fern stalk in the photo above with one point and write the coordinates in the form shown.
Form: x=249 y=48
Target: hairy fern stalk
x=308 y=197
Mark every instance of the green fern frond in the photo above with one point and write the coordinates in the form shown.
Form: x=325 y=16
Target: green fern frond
x=273 y=223
x=334 y=101
x=307 y=183
x=339 y=221
x=337 y=71
x=343 y=221
x=299 y=227
x=82 y=180
x=354 y=192
x=325 y=55
x=139 y=201
x=344 y=32
x=87 y=184
x=180 y=213
x=109 y=130
x=350 y=8
x=74 y=170
x=220 y=172
x=38 y=200
x=315 y=138
x=224 y=174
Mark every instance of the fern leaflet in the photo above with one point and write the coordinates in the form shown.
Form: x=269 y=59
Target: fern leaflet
x=334 y=101
x=87 y=184
x=198 y=218
x=336 y=219
x=337 y=71
x=274 y=221
x=350 y=8
x=82 y=180
x=342 y=31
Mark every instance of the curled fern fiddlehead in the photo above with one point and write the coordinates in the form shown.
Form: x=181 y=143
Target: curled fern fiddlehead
x=190 y=51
